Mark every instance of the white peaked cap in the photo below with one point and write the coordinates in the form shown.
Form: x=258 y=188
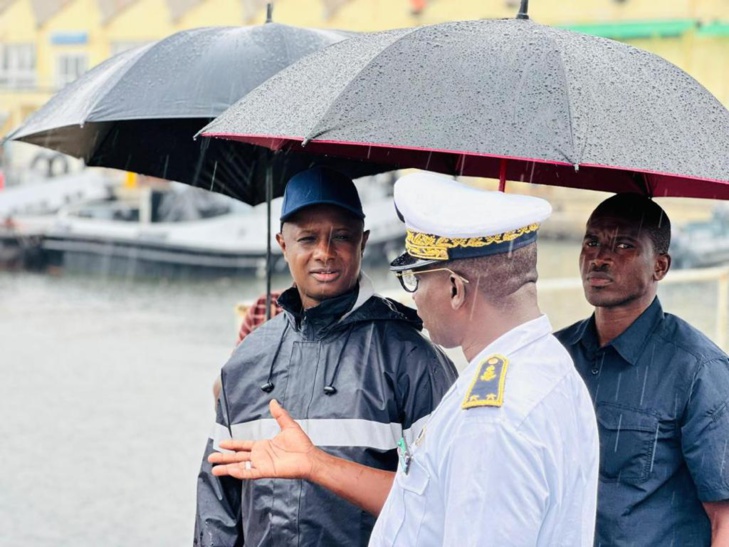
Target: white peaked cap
x=448 y=220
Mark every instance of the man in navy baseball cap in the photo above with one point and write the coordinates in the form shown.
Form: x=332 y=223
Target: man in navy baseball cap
x=350 y=362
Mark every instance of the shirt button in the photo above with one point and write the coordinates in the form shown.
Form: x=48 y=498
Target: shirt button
x=595 y=371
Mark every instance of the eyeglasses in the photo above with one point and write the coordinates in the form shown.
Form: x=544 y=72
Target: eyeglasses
x=409 y=278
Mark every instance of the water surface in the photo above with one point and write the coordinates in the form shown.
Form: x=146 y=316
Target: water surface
x=105 y=396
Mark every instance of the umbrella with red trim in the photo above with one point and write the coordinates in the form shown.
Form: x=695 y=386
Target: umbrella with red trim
x=508 y=99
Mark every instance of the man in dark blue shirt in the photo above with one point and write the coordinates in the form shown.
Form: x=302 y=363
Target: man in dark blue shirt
x=660 y=388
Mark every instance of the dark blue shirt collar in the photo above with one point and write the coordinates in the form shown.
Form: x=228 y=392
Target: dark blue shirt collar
x=631 y=343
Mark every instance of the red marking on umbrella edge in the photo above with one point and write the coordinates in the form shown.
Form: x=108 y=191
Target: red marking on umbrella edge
x=277 y=143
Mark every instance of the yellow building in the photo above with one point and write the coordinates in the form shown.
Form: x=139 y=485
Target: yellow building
x=45 y=44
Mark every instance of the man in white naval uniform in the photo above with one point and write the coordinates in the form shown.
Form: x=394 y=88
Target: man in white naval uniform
x=510 y=455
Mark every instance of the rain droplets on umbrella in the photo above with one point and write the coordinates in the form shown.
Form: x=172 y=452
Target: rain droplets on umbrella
x=520 y=101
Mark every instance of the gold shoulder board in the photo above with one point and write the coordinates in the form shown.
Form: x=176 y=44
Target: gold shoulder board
x=487 y=388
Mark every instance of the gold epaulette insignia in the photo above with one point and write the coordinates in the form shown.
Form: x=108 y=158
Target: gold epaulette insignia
x=487 y=388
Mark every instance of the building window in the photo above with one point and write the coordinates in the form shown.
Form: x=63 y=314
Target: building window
x=70 y=66
x=17 y=66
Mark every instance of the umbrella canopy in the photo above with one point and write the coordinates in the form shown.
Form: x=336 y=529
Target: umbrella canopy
x=498 y=98
x=139 y=110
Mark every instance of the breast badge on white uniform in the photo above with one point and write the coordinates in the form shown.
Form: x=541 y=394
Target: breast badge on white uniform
x=404 y=455
x=487 y=388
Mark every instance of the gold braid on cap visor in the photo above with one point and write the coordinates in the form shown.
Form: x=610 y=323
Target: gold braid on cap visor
x=432 y=247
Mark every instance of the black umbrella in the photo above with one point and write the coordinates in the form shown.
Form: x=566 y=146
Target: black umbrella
x=508 y=99
x=139 y=110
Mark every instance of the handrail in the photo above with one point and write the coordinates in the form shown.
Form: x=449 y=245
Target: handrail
x=720 y=275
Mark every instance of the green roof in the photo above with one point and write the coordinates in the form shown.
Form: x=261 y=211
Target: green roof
x=630 y=30
x=715 y=28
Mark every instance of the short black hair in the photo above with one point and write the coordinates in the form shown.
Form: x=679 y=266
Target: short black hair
x=498 y=276
x=643 y=211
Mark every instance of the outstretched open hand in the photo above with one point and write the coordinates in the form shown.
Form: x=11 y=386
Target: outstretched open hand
x=289 y=455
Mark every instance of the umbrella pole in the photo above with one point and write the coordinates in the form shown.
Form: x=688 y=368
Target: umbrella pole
x=502 y=176
x=269 y=258
x=523 y=9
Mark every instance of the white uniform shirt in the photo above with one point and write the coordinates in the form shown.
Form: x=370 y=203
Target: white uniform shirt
x=523 y=473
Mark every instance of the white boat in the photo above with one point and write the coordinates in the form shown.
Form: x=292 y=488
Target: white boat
x=27 y=212
x=46 y=196
x=189 y=232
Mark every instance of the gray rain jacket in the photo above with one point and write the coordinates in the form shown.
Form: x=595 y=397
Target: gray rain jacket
x=382 y=380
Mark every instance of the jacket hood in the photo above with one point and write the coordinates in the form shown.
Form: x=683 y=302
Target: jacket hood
x=379 y=308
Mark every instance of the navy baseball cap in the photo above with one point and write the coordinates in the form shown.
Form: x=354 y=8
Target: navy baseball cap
x=320 y=186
